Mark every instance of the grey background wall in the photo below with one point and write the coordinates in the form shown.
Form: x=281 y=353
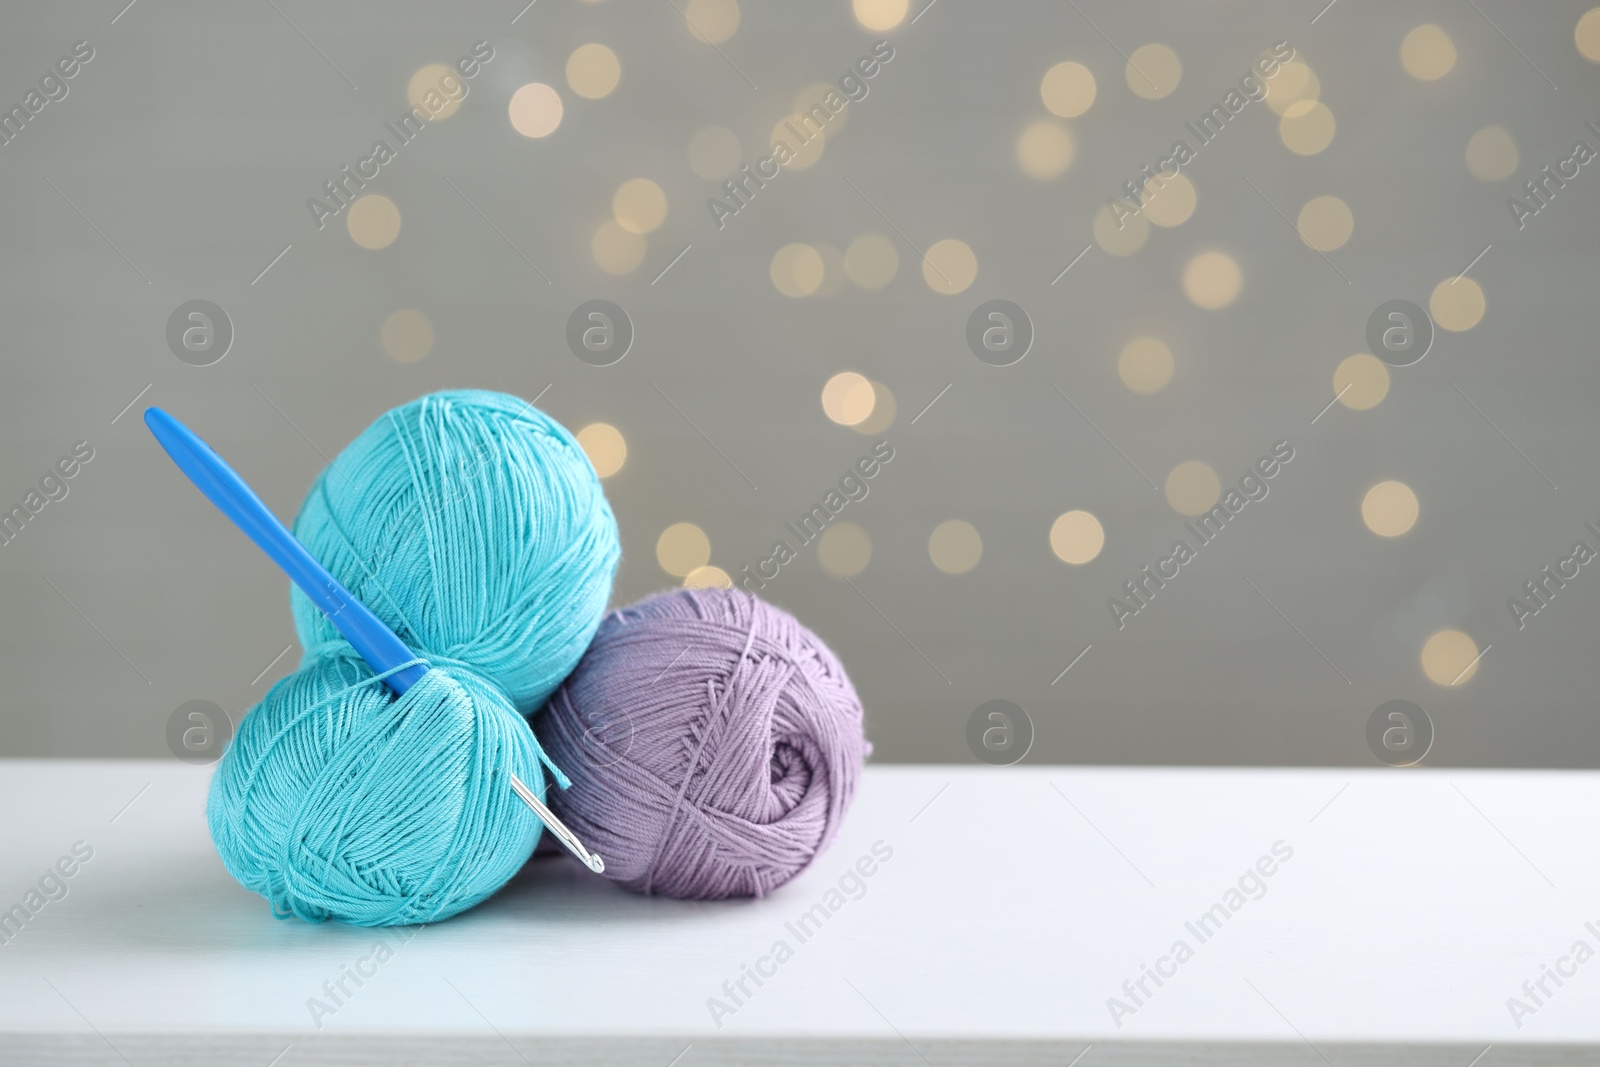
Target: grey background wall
x=178 y=167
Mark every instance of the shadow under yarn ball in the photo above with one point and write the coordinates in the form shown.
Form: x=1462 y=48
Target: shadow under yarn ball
x=337 y=800
x=475 y=527
x=714 y=744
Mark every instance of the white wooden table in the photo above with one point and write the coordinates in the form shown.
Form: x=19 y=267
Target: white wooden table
x=1015 y=903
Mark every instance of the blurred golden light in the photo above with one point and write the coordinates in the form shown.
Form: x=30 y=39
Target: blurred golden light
x=949 y=266
x=1044 y=150
x=1492 y=155
x=796 y=270
x=707 y=577
x=712 y=21
x=883 y=412
x=431 y=86
x=1450 y=657
x=871 y=261
x=1192 y=488
x=1212 y=280
x=1307 y=127
x=1427 y=53
x=1587 y=35
x=593 y=71
x=373 y=221
x=955 y=547
x=639 y=205
x=715 y=153
x=803 y=137
x=832 y=270
x=616 y=250
x=605 y=446
x=1172 y=203
x=1076 y=537
x=406 y=335
x=844 y=549
x=880 y=14
x=1119 y=231
x=1067 y=89
x=1153 y=71
x=1361 y=381
x=1457 y=304
x=1389 y=509
x=1145 y=365
x=681 y=548
x=535 y=110
x=848 y=398
x=1295 y=81
x=1325 y=223
x=813 y=96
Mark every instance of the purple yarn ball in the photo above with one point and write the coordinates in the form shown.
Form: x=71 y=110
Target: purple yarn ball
x=713 y=742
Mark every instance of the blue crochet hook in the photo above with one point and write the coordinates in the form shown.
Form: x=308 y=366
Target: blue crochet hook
x=380 y=646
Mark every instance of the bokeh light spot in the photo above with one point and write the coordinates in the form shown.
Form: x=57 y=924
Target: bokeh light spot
x=883 y=412
x=1427 y=53
x=1389 y=509
x=438 y=90
x=1153 y=71
x=535 y=110
x=949 y=266
x=639 y=205
x=616 y=250
x=880 y=14
x=1325 y=223
x=373 y=221
x=715 y=153
x=955 y=547
x=1172 y=202
x=593 y=71
x=1361 y=381
x=848 y=398
x=1212 y=280
x=681 y=548
x=1192 y=488
x=1307 y=127
x=844 y=549
x=1044 y=150
x=1067 y=89
x=406 y=336
x=796 y=270
x=1450 y=657
x=707 y=577
x=1492 y=155
x=1587 y=35
x=712 y=21
x=1457 y=304
x=1076 y=537
x=1145 y=365
x=1119 y=230
x=605 y=446
x=871 y=261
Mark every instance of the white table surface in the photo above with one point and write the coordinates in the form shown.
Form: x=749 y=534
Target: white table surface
x=1016 y=902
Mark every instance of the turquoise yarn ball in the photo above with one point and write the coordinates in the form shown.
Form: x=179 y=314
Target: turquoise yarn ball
x=338 y=801
x=475 y=527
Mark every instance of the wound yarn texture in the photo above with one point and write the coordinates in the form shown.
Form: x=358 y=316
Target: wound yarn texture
x=475 y=527
x=714 y=744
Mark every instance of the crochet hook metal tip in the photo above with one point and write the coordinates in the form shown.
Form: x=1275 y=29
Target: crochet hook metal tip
x=559 y=828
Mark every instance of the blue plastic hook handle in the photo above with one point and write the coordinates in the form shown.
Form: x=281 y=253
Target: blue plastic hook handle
x=378 y=645
x=367 y=634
